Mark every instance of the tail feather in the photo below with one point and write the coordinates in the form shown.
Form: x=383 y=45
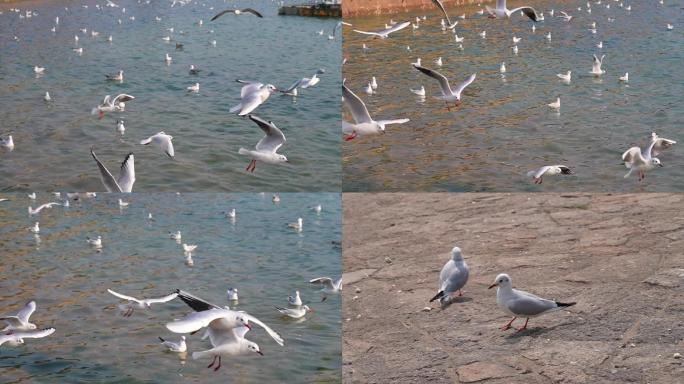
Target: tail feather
x=558 y=303
x=439 y=295
x=202 y=354
x=243 y=151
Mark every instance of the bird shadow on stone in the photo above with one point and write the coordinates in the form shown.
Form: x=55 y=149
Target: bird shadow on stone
x=455 y=300
x=532 y=332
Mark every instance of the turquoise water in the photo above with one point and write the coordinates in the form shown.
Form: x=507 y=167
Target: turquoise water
x=52 y=140
x=503 y=127
x=258 y=254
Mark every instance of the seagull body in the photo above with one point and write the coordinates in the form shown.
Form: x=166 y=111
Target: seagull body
x=625 y=78
x=20 y=322
x=47 y=96
x=189 y=248
x=266 y=149
x=141 y=303
x=120 y=127
x=329 y=286
x=556 y=104
x=368 y=89
x=295 y=313
x=565 y=77
x=126 y=174
x=252 y=95
x=97 y=242
x=502 y=12
x=363 y=123
x=548 y=170
x=458 y=40
x=298 y=226
x=452 y=278
x=231 y=214
x=520 y=303
x=78 y=50
x=502 y=68
x=175 y=236
x=295 y=300
x=123 y=203
x=36 y=211
x=7 y=142
x=172 y=346
x=419 y=92
x=232 y=294
x=17 y=338
x=193 y=88
x=227 y=342
x=35 y=228
x=448 y=95
x=116 y=77
x=237 y=12
x=515 y=49
x=596 y=66
x=438 y=62
x=386 y=32
x=163 y=141
x=168 y=59
x=38 y=70
x=635 y=159
x=374 y=83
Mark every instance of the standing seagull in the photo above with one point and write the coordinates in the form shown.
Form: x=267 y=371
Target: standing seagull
x=267 y=147
x=363 y=123
x=237 y=12
x=253 y=94
x=501 y=11
x=385 y=32
x=596 y=66
x=126 y=175
x=521 y=303
x=163 y=141
x=329 y=286
x=448 y=95
x=453 y=277
x=439 y=5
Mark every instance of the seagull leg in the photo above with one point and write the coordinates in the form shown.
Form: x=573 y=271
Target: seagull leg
x=460 y=292
x=219 y=364
x=101 y=115
x=253 y=166
x=524 y=327
x=351 y=137
x=212 y=362
x=508 y=326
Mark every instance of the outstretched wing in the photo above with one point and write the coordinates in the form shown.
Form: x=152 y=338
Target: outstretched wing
x=197 y=320
x=443 y=81
x=464 y=84
x=127 y=174
x=633 y=156
x=274 y=138
x=325 y=281
x=271 y=332
x=122 y=98
x=356 y=106
x=195 y=302
x=122 y=296
x=439 y=5
x=26 y=312
x=528 y=11
x=164 y=299
x=108 y=180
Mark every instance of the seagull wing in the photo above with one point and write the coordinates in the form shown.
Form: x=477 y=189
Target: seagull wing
x=293 y=86
x=274 y=138
x=659 y=144
x=252 y=11
x=367 y=33
x=222 y=13
x=270 y=331
x=250 y=87
x=122 y=98
x=127 y=174
x=108 y=180
x=14 y=321
x=395 y=121
x=528 y=11
x=26 y=312
x=443 y=81
x=164 y=299
x=36 y=334
x=356 y=106
x=396 y=27
x=325 y=281
x=249 y=103
x=197 y=320
x=122 y=296
x=439 y=5
x=633 y=157
x=195 y=302
x=464 y=84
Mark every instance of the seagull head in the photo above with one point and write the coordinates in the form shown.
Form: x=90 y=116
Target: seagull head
x=656 y=161
x=254 y=347
x=456 y=254
x=272 y=88
x=502 y=280
x=282 y=158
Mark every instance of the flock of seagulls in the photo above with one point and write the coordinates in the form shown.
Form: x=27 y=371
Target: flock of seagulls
x=452 y=94
x=516 y=303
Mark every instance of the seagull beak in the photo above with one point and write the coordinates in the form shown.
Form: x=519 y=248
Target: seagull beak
x=493 y=285
x=248 y=326
x=660 y=165
x=261 y=353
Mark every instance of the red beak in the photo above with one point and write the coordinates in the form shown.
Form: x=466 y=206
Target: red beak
x=492 y=286
x=248 y=326
x=261 y=353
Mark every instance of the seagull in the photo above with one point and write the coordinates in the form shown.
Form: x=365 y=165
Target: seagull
x=548 y=36
x=635 y=159
x=625 y=78
x=32 y=195
x=565 y=77
x=452 y=278
x=317 y=208
x=521 y=303
x=118 y=104
x=237 y=12
x=438 y=62
x=448 y=95
x=386 y=32
x=660 y=144
x=20 y=322
x=17 y=338
x=501 y=11
x=294 y=300
x=417 y=62
x=163 y=141
x=298 y=226
x=141 y=303
x=295 y=313
x=266 y=149
x=232 y=294
x=502 y=68
x=7 y=143
x=32 y=211
x=449 y=24
x=515 y=49
x=175 y=236
x=194 y=71
x=596 y=66
x=123 y=203
x=227 y=342
x=120 y=126
x=275 y=199
x=419 y=92
x=231 y=214
x=458 y=40
x=38 y=70
x=168 y=59
x=374 y=83
x=35 y=228
x=189 y=248
x=126 y=174
x=180 y=346
x=555 y=105
x=483 y=34
x=564 y=16
x=116 y=77
x=253 y=94
x=193 y=88
x=599 y=45
x=329 y=286
x=363 y=123
x=369 y=89
x=97 y=243
x=548 y=170
x=516 y=40
x=670 y=27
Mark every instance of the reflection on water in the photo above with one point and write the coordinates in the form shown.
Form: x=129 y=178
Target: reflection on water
x=258 y=254
x=503 y=127
x=52 y=139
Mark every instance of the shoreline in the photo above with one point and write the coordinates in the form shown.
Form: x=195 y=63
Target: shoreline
x=360 y=8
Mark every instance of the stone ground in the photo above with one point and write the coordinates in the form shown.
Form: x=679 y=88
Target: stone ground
x=620 y=257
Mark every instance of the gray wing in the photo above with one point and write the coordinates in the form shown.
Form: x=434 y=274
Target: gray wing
x=222 y=13
x=122 y=98
x=443 y=81
x=251 y=87
x=439 y=5
x=164 y=299
x=633 y=156
x=659 y=144
x=26 y=312
x=325 y=281
x=356 y=106
x=122 y=296
x=127 y=174
x=108 y=180
x=197 y=320
x=527 y=304
x=293 y=86
x=396 y=27
x=597 y=63
x=274 y=138
x=464 y=84
x=34 y=334
x=253 y=12
x=12 y=320
x=268 y=330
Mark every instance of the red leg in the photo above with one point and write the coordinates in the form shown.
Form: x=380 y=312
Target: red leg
x=508 y=326
x=351 y=137
x=212 y=362
x=524 y=327
x=101 y=115
x=253 y=166
x=219 y=364
x=460 y=292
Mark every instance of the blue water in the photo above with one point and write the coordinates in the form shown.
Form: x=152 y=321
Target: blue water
x=503 y=127
x=258 y=254
x=52 y=140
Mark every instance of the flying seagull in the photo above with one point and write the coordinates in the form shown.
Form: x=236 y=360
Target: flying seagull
x=439 y=5
x=267 y=147
x=237 y=12
x=448 y=95
x=363 y=123
x=126 y=175
x=385 y=32
x=501 y=11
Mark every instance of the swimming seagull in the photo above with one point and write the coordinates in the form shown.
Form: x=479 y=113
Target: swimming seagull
x=329 y=286
x=123 y=204
x=295 y=313
x=32 y=211
x=141 y=303
x=419 y=92
x=163 y=141
x=565 y=77
x=363 y=123
x=237 y=12
x=232 y=294
x=116 y=77
x=38 y=70
x=193 y=70
x=555 y=105
x=501 y=11
x=120 y=126
x=452 y=278
x=449 y=24
x=189 y=248
x=7 y=142
x=266 y=149
x=252 y=95
x=126 y=174
x=193 y=88
x=548 y=170
x=35 y=228
x=521 y=303
x=20 y=322
x=448 y=95
x=172 y=346
x=175 y=236
x=17 y=338
x=625 y=78
x=386 y=32
x=596 y=66
x=118 y=104
x=295 y=300
x=96 y=242
x=502 y=68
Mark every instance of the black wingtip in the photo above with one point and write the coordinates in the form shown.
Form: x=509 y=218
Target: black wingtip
x=162 y=340
x=439 y=295
x=558 y=303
